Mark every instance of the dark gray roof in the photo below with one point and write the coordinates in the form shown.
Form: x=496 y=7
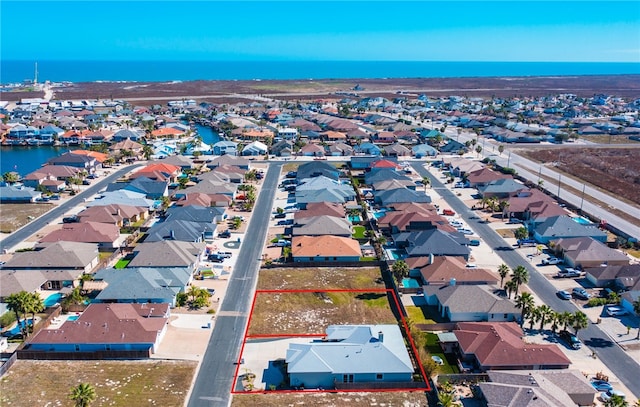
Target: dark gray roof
x=432 y=241
x=194 y=213
x=183 y=230
x=400 y=195
x=386 y=174
x=564 y=226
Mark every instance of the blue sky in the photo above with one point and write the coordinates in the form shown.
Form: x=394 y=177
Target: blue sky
x=572 y=31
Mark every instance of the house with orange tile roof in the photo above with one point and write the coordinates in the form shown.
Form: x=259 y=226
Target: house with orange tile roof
x=159 y=172
x=107 y=327
x=167 y=132
x=499 y=346
x=333 y=136
x=324 y=249
x=100 y=157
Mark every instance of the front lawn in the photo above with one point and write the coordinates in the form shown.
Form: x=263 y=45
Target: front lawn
x=358 y=232
x=122 y=263
x=417 y=316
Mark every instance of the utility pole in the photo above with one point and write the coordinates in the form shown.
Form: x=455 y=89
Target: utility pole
x=559 y=177
x=582 y=200
x=509 y=159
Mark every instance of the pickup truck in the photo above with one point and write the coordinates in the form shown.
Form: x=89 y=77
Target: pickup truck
x=568 y=273
x=448 y=212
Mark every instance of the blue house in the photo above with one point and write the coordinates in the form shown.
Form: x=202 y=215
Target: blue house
x=423 y=150
x=223 y=147
x=350 y=354
x=563 y=227
x=368 y=148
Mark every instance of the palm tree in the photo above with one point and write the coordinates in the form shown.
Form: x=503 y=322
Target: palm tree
x=545 y=315
x=511 y=287
x=500 y=149
x=83 y=395
x=636 y=309
x=534 y=316
x=503 y=271
x=18 y=303
x=565 y=319
x=447 y=399
x=554 y=318
x=426 y=181
x=11 y=177
x=616 y=401
x=34 y=305
x=579 y=321
x=478 y=149
x=400 y=270
x=524 y=302
x=521 y=276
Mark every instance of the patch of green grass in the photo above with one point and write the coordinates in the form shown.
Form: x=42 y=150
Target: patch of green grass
x=358 y=232
x=374 y=299
x=368 y=259
x=417 y=316
x=122 y=263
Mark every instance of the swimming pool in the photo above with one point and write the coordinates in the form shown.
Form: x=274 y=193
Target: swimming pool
x=52 y=300
x=16 y=329
x=73 y=317
x=380 y=213
x=582 y=221
x=354 y=218
x=409 y=282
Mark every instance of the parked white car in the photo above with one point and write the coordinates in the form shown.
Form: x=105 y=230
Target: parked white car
x=551 y=261
x=616 y=311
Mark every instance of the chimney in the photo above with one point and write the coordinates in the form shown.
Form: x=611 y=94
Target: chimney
x=172 y=235
x=380 y=336
x=452 y=281
x=430 y=258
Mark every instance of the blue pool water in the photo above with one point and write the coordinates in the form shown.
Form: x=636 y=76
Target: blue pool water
x=16 y=329
x=355 y=218
x=380 y=213
x=52 y=300
x=582 y=221
x=409 y=282
x=72 y=318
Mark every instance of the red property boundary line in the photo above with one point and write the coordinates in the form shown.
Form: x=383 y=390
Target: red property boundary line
x=302 y=335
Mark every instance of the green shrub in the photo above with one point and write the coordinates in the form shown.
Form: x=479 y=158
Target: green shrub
x=7 y=319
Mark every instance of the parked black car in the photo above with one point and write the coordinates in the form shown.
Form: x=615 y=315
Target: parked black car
x=216 y=258
x=71 y=219
x=225 y=234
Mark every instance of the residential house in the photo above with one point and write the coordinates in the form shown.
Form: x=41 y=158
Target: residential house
x=552 y=388
x=123 y=197
x=185 y=163
x=364 y=162
x=106 y=327
x=350 y=354
x=183 y=230
x=470 y=303
x=256 y=148
x=480 y=178
x=159 y=172
x=532 y=204
x=320 y=209
x=324 y=249
x=499 y=346
x=586 y=252
x=621 y=277
x=447 y=270
x=315 y=169
x=501 y=188
x=557 y=227
x=231 y=172
x=84 y=162
x=227 y=159
x=312 y=150
x=399 y=195
x=394 y=184
x=423 y=150
x=119 y=215
x=152 y=189
x=396 y=150
x=322 y=225
x=126 y=135
x=282 y=148
x=340 y=149
x=105 y=235
x=18 y=194
x=369 y=149
x=223 y=147
x=371 y=178
x=31 y=281
x=208 y=187
x=65 y=255
x=154 y=285
x=168 y=253
x=200 y=199
x=432 y=242
x=405 y=221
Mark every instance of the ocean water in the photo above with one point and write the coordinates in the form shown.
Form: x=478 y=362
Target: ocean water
x=154 y=71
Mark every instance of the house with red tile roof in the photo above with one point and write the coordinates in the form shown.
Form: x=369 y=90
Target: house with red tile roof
x=201 y=199
x=107 y=327
x=405 y=221
x=104 y=234
x=532 y=204
x=166 y=132
x=333 y=136
x=324 y=249
x=499 y=346
x=100 y=157
x=321 y=209
x=312 y=150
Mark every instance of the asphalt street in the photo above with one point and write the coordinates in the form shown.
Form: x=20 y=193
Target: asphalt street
x=623 y=366
x=215 y=376
x=59 y=210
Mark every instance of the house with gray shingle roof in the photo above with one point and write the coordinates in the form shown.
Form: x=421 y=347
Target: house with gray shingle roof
x=399 y=195
x=557 y=227
x=56 y=256
x=371 y=178
x=586 y=252
x=433 y=242
x=123 y=197
x=183 y=230
x=194 y=213
x=317 y=168
x=350 y=354
x=322 y=225
x=14 y=281
x=143 y=284
x=13 y=194
x=469 y=303
x=152 y=189
x=168 y=253
x=501 y=188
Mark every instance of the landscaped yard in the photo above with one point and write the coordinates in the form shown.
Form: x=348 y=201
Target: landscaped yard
x=116 y=383
x=122 y=263
x=279 y=399
x=417 y=316
x=434 y=349
x=358 y=232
